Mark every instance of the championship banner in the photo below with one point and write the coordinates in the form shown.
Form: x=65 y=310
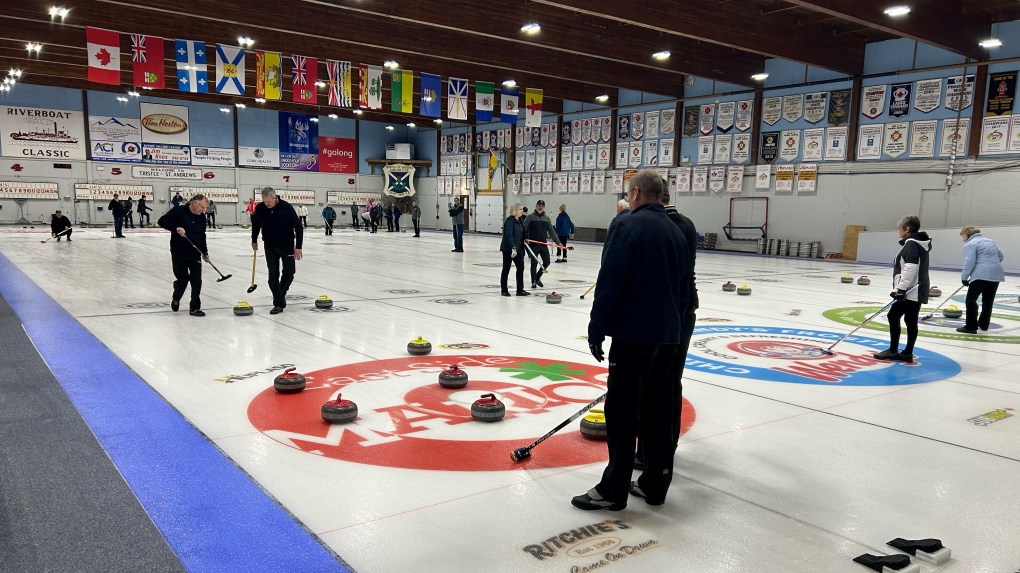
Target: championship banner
x=793 y=107
x=954 y=136
x=529 y=161
x=927 y=95
x=515 y=184
x=706 y=149
x=668 y=123
x=790 y=145
x=741 y=148
x=547 y=183
x=577 y=158
x=652 y=124
x=717 y=179
x=561 y=183
x=536 y=135
x=666 y=152
x=768 y=151
x=724 y=120
x=430 y=104
x=623 y=132
x=565 y=154
x=399 y=180
x=957 y=90
x=784 y=178
x=839 y=108
x=706 y=118
x=573 y=181
x=814 y=144
x=518 y=163
x=526 y=184
x=683 y=180
x=663 y=173
x=540 y=160
x=370 y=87
x=899 y=103
x=585 y=182
x=268 y=75
x=468 y=142
x=771 y=110
x=814 y=107
x=591 y=156
x=521 y=141
x=744 y=115
x=671 y=188
x=734 y=179
x=635 y=155
x=995 y=135
x=637 y=125
x=836 y=139
x=571 y=132
x=617 y=182
x=532 y=106
x=763 y=177
x=1014 y=134
x=604 y=156
x=1001 y=93
x=652 y=153
x=807 y=175
x=622 y=153
x=690 y=128
x=550 y=159
x=894 y=144
x=553 y=135
x=699 y=180
x=596 y=129
x=922 y=137
x=402 y=91
x=544 y=137
x=869 y=141
x=607 y=128
x=586 y=130
x=873 y=101
x=723 y=146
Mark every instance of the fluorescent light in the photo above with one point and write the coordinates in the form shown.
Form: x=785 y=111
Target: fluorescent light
x=411 y=124
x=122 y=98
x=260 y=100
x=760 y=77
x=134 y=93
x=389 y=128
x=391 y=64
x=245 y=41
x=663 y=55
x=225 y=109
x=531 y=28
x=897 y=11
x=59 y=12
x=510 y=83
x=602 y=98
x=315 y=119
x=332 y=116
x=239 y=105
x=991 y=43
x=320 y=84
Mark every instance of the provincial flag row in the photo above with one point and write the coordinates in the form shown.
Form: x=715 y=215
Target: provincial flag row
x=193 y=77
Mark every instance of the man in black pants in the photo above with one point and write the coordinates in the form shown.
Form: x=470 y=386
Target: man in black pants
x=538 y=227
x=910 y=284
x=187 y=222
x=143 y=212
x=640 y=300
x=354 y=215
x=60 y=227
x=282 y=234
x=416 y=218
x=117 y=209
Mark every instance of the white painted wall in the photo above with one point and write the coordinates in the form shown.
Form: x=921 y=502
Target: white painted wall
x=947 y=246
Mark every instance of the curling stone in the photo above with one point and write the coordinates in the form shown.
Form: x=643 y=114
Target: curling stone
x=744 y=290
x=935 y=292
x=729 y=287
x=339 y=411
x=323 y=302
x=864 y=281
x=419 y=347
x=453 y=377
x=846 y=279
x=553 y=298
x=243 y=309
x=952 y=311
x=593 y=424
x=488 y=408
x=289 y=382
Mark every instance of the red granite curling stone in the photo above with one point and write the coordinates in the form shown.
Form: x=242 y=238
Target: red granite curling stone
x=488 y=409
x=453 y=378
x=289 y=382
x=339 y=411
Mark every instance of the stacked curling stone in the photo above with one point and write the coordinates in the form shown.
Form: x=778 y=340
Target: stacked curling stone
x=419 y=347
x=864 y=281
x=243 y=308
x=488 y=408
x=729 y=287
x=323 y=302
x=935 y=292
x=453 y=378
x=846 y=279
x=744 y=290
x=289 y=382
x=339 y=411
x=593 y=425
x=553 y=298
x=952 y=311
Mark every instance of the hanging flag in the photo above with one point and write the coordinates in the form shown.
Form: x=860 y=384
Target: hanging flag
x=192 y=75
x=370 y=87
x=229 y=70
x=104 y=56
x=456 y=101
x=493 y=164
x=430 y=97
x=508 y=109
x=304 y=74
x=339 y=84
x=402 y=91
x=147 y=61
x=533 y=103
x=268 y=75
x=484 y=95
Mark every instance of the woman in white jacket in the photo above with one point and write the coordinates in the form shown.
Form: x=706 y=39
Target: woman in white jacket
x=910 y=284
x=302 y=213
x=982 y=273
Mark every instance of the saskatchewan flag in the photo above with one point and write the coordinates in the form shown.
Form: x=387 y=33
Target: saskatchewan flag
x=401 y=90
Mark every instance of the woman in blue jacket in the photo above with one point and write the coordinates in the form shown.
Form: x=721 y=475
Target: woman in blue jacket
x=564 y=228
x=982 y=273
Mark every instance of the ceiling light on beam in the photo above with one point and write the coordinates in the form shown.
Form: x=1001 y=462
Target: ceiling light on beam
x=531 y=28
x=313 y=119
x=389 y=128
x=59 y=12
x=245 y=41
x=14 y=73
x=991 y=43
x=240 y=105
x=391 y=64
x=760 y=77
x=122 y=98
x=896 y=11
x=260 y=100
x=411 y=124
x=602 y=98
x=225 y=109
x=320 y=84
x=357 y=112
x=510 y=84
x=133 y=93
x=333 y=116
x=33 y=47
x=438 y=121
x=663 y=55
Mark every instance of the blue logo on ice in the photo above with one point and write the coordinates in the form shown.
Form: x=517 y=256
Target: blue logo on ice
x=794 y=355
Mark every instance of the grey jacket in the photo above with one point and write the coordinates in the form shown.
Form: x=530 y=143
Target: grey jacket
x=457 y=214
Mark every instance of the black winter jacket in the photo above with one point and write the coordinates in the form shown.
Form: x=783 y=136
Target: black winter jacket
x=280 y=226
x=194 y=229
x=686 y=227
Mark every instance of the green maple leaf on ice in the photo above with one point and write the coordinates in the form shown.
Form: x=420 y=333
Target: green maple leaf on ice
x=555 y=372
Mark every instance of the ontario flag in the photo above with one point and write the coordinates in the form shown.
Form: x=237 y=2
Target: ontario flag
x=104 y=55
x=303 y=78
x=147 y=61
x=484 y=95
x=533 y=107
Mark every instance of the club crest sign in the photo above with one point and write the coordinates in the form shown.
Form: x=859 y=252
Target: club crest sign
x=399 y=180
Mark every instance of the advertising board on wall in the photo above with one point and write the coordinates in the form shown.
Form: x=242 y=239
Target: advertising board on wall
x=39 y=133
x=338 y=155
x=260 y=157
x=212 y=156
x=165 y=124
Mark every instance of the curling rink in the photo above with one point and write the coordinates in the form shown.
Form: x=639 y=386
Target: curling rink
x=791 y=461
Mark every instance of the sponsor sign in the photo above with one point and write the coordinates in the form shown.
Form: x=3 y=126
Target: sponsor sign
x=262 y=157
x=166 y=154
x=602 y=546
x=147 y=172
x=212 y=156
x=122 y=151
x=299 y=162
x=39 y=133
x=107 y=128
x=299 y=134
x=784 y=178
x=162 y=123
x=338 y=155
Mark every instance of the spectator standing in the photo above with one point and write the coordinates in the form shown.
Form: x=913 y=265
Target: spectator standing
x=457 y=218
x=210 y=214
x=416 y=218
x=564 y=230
x=117 y=209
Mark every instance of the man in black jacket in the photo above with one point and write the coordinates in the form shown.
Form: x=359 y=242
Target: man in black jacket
x=117 y=208
x=538 y=227
x=187 y=222
x=282 y=234
x=60 y=227
x=143 y=212
x=416 y=218
x=640 y=301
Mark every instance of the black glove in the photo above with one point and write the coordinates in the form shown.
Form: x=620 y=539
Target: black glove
x=899 y=294
x=596 y=350
x=966 y=283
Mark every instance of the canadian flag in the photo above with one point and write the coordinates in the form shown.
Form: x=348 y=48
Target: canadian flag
x=104 y=55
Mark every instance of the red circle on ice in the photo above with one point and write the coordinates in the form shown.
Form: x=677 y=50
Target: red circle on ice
x=406 y=420
x=787 y=349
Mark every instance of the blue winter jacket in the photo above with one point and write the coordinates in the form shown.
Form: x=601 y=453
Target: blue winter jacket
x=982 y=260
x=564 y=226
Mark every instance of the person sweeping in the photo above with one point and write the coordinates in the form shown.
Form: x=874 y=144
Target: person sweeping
x=910 y=288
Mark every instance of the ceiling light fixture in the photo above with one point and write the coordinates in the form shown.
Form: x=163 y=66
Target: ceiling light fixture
x=531 y=28
x=897 y=11
x=260 y=100
x=438 y=121
x=320 y=84
x=33 y=47
x=391 y=64
x=122 y=98
x=332 y=116
x=389 y=128
x=245 y=41
x=357 y=112
x=663 y=55
x=56 y=12
x=225 y=109
x=602 y=98
x=510 y=83
x=240 y=105
x=134 y=93
x=314 y=119
x=14 y=73
x=411 y=124
x=5 y=88
x=991 y=43
x=760 y=77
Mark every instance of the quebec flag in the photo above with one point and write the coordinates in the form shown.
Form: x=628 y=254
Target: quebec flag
x=192 y=75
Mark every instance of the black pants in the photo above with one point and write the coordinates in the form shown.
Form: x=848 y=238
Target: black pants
x=540 y=251
x=118 y=226
x=304 y=221
x=329 y=226
x=356 y=217
x=908 y=311
x=639 y=403
x=144 y=215
x=188 y=269
x=210 y=219
x=985 y=290
x=519 y=263
x=375 y=225
x=563 y=249
x=389 y=224
x=129 y=220
x=277 y=284
x=67 y=234
x=677 y=374
x=396 y=224
x=417 y=230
